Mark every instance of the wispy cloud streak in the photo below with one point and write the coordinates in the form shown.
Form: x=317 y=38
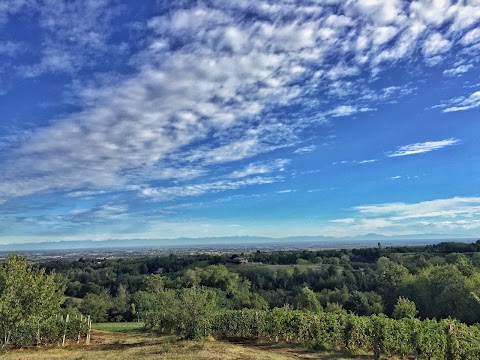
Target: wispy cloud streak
x=419 y=148
x=466 y=103
x=171 y=193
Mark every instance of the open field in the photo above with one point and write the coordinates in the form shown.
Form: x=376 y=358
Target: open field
x=126 y=341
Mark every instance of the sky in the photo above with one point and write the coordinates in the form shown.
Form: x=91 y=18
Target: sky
x=163 y=119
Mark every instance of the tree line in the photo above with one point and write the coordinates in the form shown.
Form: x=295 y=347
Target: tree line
x=441 y=281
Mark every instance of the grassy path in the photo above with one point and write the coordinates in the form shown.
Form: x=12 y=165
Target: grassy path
x=127 y=341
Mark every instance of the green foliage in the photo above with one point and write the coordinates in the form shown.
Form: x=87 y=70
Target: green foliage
x=196 y=315
x=188 y=311
x=30 y=306
x=438 y=278
x=154 y=284
x=307 y=300
x=476 y=259
x=143 y=302
x=431 y=339
x=96 y=306
x=358 y=334
x=161 y=311
x=197 y=307
x=26 y=292
x=363 y=303
x=26 y=295
x=120 y=309
x=443 y=291
x=390 y=279
x=48 y=331
x=236 y=290
x=335 y=308
x=235 y=300
x=404 y=308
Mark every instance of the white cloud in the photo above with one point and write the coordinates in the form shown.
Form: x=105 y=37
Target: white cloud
x=471 y=37
x=436 y=44
x=439 y=208
x=260 y=168
x=463 y=103
x=173 y=192
x=12 y=7
x=461 y=69
x=343 y=110
x=424 y=147
x=369 y=161
x=432 y=12
x=9 y=48
x=458 y=215
x=305 y=149
x=380 y=11
x=85 y=194
x=465 y=15
x=321 y=189
x=75 y=35
x=384 y=34
x=344 y=221
x=153 y=114
x=105 y=212
x=346 y=110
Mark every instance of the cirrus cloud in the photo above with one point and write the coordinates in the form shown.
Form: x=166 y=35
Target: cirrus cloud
x=419 y=148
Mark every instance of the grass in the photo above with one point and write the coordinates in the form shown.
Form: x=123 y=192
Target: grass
x=123 y=327
x=125 y=341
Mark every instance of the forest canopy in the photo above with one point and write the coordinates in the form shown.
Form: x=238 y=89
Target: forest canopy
x=440 y=280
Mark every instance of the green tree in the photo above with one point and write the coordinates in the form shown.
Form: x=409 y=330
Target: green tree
x=365 y=303
x=120 y=305
x=404 y=308
x=390 y=279
x=307 y=300
x=444 y=291
x=144 y=302
x=69 y=306
x=96 y=306
x=27 y=295
x=154 y=284
x=198 y=305
x=476 y=259
x=258 y=302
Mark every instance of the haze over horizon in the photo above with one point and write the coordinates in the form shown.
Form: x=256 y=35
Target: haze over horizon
x=260 y=118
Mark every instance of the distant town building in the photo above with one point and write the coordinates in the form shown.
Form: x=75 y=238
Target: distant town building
x=235 y=259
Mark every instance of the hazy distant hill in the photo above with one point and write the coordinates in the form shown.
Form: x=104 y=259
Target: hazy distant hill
x=237 y=241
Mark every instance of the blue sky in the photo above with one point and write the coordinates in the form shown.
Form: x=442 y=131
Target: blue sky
x=156 y=119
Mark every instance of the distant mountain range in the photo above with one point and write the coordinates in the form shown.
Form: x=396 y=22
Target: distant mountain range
x=237 y=241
